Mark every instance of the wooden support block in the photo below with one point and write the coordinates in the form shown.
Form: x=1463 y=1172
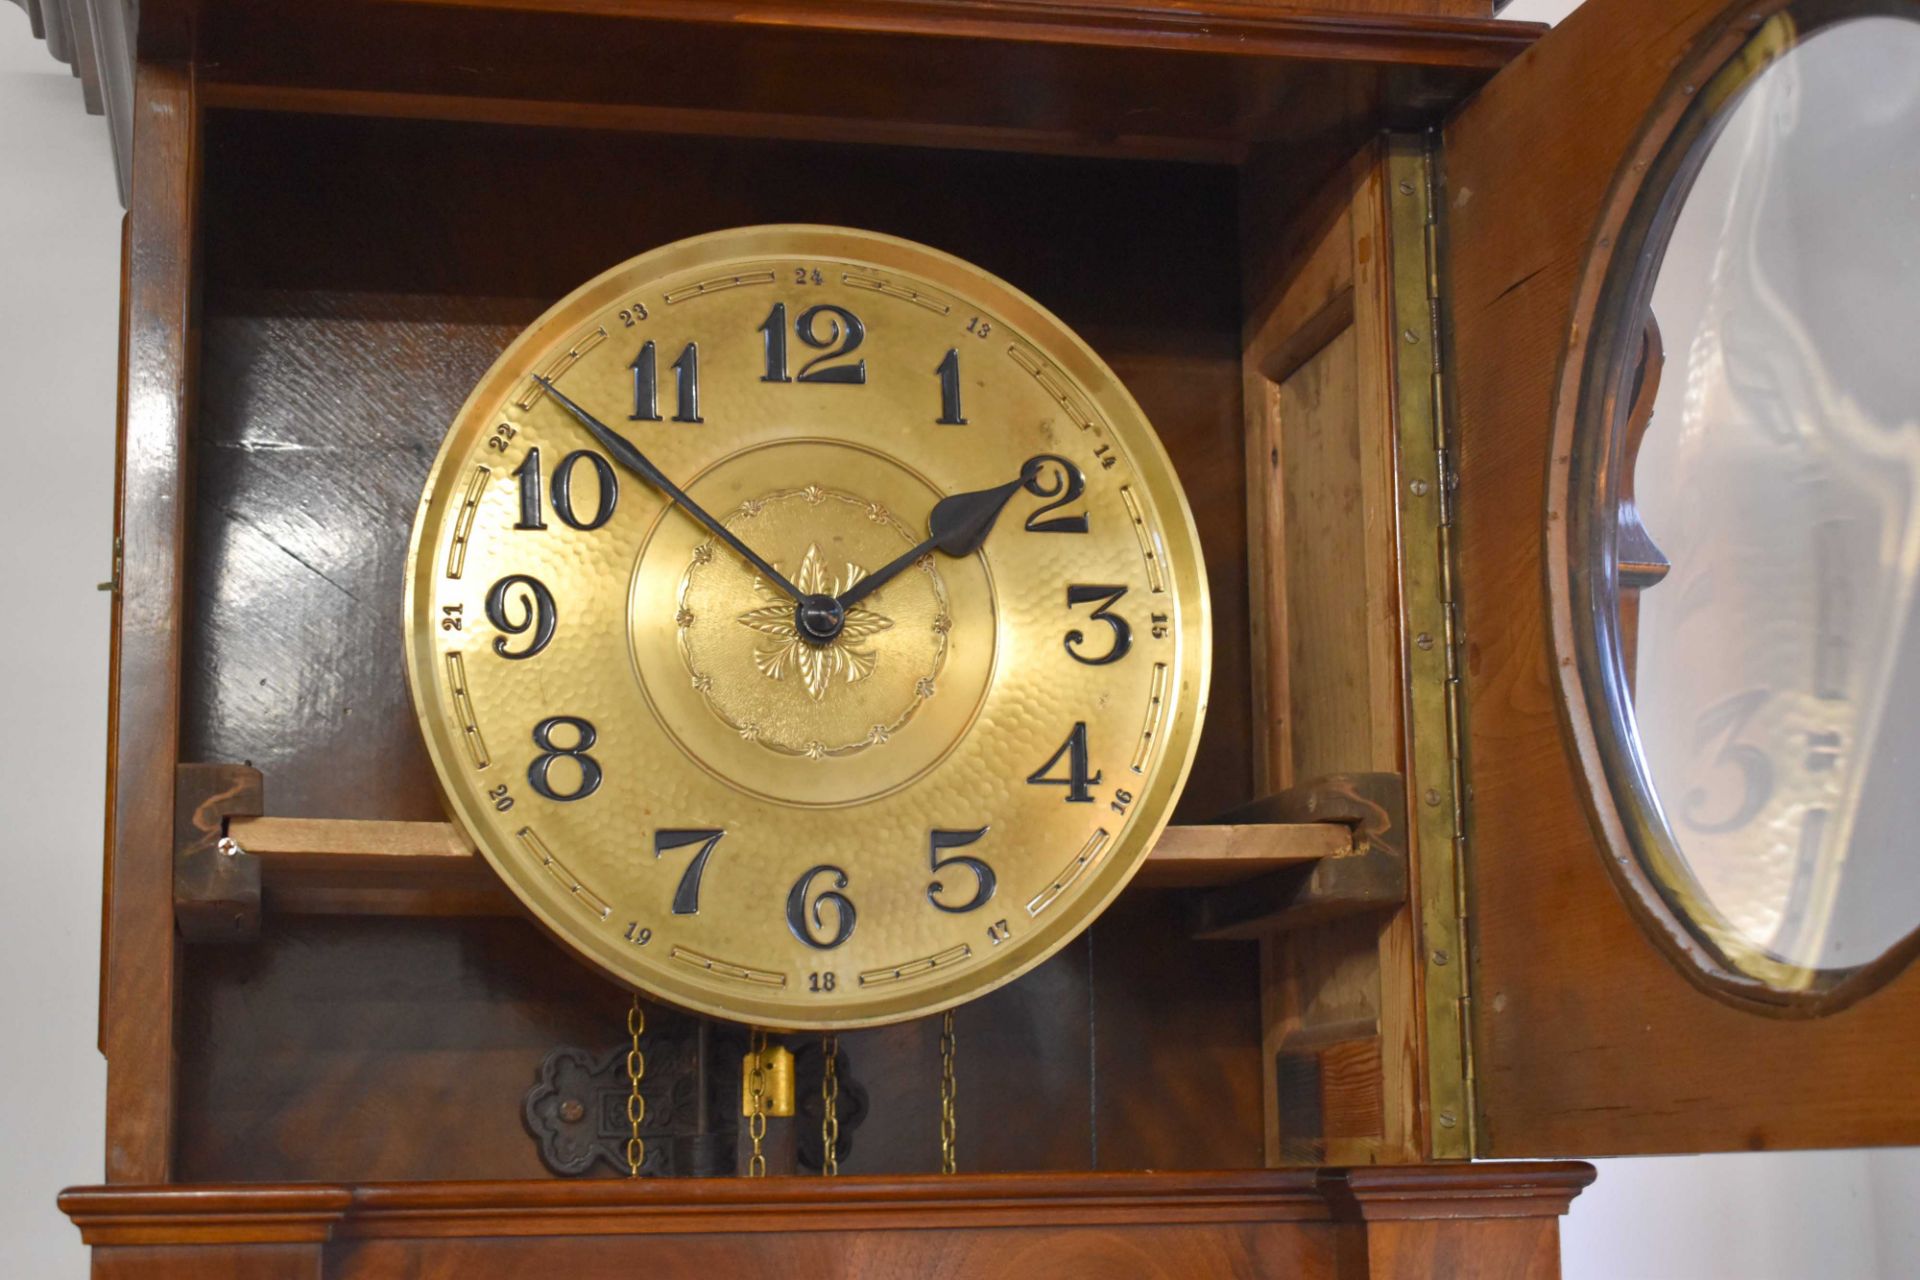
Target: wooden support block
x=321 y=866
x=1371 y=877
x=1200 y=857
x=216 y=894
x=339 y=866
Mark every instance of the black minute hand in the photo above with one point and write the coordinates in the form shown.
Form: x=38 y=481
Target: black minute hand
x=637 y=462
x=956 y=527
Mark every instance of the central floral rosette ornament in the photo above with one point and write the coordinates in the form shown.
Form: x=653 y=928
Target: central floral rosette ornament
x=741 y=644
x=817 y=664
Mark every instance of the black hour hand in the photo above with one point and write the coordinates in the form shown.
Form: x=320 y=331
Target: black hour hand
x=957 y=526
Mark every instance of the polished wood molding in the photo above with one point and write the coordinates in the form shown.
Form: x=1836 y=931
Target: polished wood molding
x=1389 y=30
x=159 y=348
x=1408 y=1192
x=203 y=1214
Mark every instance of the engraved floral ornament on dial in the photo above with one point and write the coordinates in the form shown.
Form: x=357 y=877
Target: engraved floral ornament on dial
x=807 y=626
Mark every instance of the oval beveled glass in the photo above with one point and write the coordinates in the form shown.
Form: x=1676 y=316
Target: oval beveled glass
x=1756 y=540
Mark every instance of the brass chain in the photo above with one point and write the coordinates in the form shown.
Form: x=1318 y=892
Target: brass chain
x=757 y=1112
x=636 y=1104
x=947 y=1091
x=830 y=1106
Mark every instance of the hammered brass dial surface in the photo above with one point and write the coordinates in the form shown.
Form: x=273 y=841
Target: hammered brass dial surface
x=672 y=768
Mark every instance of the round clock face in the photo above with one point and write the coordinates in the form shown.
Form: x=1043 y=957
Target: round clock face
x=807 y=627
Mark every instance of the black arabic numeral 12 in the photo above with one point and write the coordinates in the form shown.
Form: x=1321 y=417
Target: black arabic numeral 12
x=686 y=898
x=538 y=771
x=536 y=611
x=1107 y=597
x=984 y=880
x=1067 y=486
x=949 y=371
x=528 y=473
x=844 y=334
x=1076 y=782
x=799 y=910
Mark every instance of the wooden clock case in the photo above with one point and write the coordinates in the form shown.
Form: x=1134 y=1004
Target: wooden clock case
x=319 y=1036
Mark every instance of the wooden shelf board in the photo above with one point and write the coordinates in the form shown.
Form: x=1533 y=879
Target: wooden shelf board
x=329 y=866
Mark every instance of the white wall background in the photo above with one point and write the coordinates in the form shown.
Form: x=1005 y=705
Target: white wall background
x=1831 y=1215
x=59 y=320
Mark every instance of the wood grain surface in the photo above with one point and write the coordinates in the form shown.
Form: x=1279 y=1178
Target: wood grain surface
x=1485 y=1222
x=139 y=967
x=1179 y=80
x=1588 y=1037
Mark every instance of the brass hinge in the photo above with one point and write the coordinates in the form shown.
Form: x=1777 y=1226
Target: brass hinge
x=1435 y=728
x=1456 y=641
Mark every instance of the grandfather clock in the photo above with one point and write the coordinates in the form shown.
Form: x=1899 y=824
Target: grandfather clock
x=997 y=638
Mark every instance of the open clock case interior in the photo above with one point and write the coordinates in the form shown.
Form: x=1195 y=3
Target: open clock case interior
x=334 y=354
x=356 y=273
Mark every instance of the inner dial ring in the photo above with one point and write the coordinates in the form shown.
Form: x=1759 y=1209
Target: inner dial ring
x=751 y=700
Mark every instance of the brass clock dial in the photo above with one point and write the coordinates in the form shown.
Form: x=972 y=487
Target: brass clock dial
x=807 y=626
